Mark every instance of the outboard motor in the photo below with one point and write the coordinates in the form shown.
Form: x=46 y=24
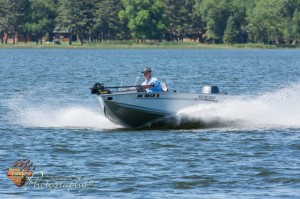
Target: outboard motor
x=207 y=89
x=99 y=89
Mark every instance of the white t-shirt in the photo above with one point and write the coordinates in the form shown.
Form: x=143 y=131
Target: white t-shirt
x=156 y=85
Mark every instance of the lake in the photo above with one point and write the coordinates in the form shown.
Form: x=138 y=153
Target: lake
x=251 y=148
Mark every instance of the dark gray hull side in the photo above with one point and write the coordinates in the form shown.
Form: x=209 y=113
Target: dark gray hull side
x=130 y=116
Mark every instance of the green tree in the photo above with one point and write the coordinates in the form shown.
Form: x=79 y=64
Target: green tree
x=145 y=18
x=215 y=15
x=230 y=34
x=77 y=17
x=107 y=23
x=291 y=29
x=295 y=27
x=182 y=20
x=266 y=21
x=238 y=10
x=12 y=16
x=40 y=18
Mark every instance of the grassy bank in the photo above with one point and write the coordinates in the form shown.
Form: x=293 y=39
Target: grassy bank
x=147 y=45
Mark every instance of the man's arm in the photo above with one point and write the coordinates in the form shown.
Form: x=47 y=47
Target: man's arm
x=148 y=86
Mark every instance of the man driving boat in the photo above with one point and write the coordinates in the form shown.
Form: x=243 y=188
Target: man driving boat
x=151 y=84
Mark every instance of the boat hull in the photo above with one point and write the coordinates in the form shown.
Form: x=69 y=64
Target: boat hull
x=130 y=116
x=137 y=110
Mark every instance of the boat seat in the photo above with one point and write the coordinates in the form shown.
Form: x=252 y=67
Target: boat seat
x=164 y=87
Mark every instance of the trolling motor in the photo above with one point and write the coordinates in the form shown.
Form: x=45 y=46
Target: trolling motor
x=99 y=89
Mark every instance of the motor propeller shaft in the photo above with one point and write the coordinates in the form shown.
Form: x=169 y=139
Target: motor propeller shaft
x=100 y=89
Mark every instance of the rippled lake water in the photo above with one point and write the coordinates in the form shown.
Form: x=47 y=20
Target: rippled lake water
x=48 y=116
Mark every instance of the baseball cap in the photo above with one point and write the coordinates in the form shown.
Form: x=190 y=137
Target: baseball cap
x=146 y=69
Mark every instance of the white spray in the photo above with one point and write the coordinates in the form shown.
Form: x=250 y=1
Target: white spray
x=277 y=109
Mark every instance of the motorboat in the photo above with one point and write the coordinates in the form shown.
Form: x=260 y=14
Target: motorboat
x=133 y=107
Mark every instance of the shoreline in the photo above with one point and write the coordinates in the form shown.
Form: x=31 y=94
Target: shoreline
x=148 y=45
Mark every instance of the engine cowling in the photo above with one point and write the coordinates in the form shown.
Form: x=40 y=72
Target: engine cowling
x=208 y=89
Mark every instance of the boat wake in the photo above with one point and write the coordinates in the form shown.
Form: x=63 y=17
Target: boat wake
x=24 y=112
x=65 y=117
x=277 y=109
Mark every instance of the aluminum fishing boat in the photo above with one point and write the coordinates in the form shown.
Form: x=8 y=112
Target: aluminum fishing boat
x=132 y=107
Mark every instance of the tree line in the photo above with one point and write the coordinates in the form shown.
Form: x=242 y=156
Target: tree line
x=213 y=21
